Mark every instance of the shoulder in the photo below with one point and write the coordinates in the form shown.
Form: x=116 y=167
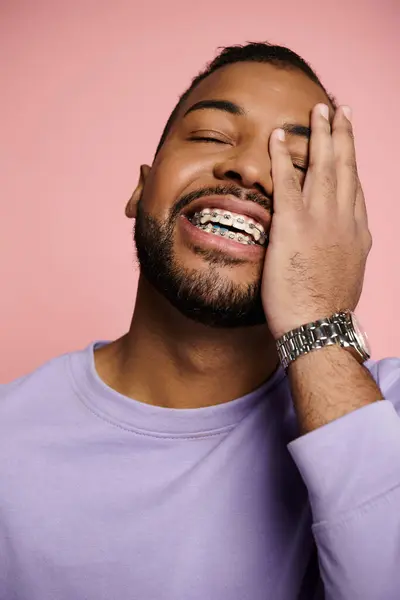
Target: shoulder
x=50 y=378
x=34 y=381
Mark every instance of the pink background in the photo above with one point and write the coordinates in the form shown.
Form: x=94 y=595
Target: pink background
x=86 y=87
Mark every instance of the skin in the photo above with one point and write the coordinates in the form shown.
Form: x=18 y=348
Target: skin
x=320 y=242
x=189 y=355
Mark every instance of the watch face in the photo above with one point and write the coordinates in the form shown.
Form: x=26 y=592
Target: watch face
x=360 y=334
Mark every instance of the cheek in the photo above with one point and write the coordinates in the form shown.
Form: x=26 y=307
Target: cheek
x=173 y=174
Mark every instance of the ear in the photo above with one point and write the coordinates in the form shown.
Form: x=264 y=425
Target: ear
x=130 y=209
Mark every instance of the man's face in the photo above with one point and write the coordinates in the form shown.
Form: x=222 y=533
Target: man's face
x=215 y=159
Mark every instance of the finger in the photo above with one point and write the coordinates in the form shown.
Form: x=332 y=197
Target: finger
x=320 y=184
x=287 y=189
x=361 y=219
x=360 y=209
x=345 y=160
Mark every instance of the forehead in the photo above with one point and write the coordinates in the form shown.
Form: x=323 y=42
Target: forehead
x=261 y=88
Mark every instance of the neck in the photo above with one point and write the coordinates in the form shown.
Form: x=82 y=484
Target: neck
x=168 y=360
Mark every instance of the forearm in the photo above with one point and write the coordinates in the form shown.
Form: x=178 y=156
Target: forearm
x=351 y=468
x=327 y=384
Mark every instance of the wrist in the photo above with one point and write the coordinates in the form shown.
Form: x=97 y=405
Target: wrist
x=339 y=329
x=295 y=323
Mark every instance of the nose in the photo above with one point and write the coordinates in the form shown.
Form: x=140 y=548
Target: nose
x=250 y=167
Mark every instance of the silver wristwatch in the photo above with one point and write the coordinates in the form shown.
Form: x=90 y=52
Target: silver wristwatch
x=342 y=329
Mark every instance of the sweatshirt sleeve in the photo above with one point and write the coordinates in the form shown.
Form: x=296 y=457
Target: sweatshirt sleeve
x=351 y=468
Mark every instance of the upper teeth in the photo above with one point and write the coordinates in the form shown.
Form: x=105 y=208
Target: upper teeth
x=217 y=215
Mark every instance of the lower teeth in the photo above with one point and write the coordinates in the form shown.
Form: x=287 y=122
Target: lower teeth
x=238 y=237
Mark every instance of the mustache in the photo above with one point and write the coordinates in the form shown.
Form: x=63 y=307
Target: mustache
x=221 y=190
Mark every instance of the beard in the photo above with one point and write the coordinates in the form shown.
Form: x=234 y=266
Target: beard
x=207 y=297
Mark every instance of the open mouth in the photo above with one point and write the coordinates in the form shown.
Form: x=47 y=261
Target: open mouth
x=233 y=226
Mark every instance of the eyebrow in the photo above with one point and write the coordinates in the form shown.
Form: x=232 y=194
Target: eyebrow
x=225 y=105
x=235 y=109
x=299 y=130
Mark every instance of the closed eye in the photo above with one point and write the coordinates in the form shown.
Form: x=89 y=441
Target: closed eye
x=207 y=139
x=302 y=169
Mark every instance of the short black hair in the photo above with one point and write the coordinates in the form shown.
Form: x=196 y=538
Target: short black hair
x=261 y=52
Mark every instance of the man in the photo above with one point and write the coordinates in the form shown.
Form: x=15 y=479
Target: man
x=216 y=451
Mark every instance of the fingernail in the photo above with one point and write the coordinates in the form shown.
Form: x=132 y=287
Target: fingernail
x=348 y=113
x=280 y=134
x=324 y=110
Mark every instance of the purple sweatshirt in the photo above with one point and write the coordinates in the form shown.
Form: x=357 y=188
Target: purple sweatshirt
x=106 y=498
